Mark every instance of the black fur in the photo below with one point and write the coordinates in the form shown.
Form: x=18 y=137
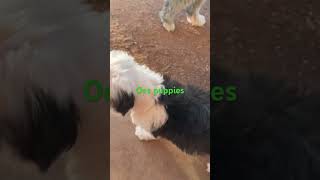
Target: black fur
x=39 y=46
x=123 y=103
x=47 y=130
x=188 y=125
x=270 y=133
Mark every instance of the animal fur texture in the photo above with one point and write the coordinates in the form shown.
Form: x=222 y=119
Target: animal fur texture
x=182 y=118
x=49 y=128
x=172 y=7
x=48 y=50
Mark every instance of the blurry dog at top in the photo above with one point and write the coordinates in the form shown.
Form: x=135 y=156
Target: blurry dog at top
x=172 y=7
x=182 y=118
x=48 y=50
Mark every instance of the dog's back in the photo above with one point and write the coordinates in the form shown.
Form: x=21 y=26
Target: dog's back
x=188 y=124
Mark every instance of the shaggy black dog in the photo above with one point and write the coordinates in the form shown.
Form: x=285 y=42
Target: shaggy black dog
x=271 y=132
x=48 y=50
x=181 y=116
x=43 y=129
x=188 y=124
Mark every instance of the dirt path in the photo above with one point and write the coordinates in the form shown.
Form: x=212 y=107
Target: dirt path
x=276 y=38
x=183 y=54
x=132 y=159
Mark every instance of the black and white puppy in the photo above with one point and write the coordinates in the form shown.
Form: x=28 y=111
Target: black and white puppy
x=48 y=50
x=38 y=126
x=182 y=118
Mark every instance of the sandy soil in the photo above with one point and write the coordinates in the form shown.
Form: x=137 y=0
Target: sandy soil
x=277 y=38
x=183 y=54
x=132 y=159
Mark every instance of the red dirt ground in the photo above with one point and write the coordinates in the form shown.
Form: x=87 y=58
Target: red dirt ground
x=184 y=55
x=131 y=159
x=276 y=38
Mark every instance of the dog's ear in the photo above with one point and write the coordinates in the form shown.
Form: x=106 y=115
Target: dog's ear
x=123 y=102
x=49 y=128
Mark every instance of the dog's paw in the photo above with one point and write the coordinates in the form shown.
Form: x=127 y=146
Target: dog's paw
x=208 y=167
x=169 y=27
x=198 y=20
x=143 y=134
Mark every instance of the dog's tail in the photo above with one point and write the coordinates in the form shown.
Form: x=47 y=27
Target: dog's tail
x=45 y=130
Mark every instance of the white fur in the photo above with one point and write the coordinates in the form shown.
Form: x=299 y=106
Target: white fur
x=127 y=75
x=147 y=114
x=143 y=134
x=172 y=7
x=197 y=20
x=169 y=27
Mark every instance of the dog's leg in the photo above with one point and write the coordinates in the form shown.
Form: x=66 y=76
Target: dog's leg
x=193 y=13
x=147 y=116
x=143 y=134
x=169 y=10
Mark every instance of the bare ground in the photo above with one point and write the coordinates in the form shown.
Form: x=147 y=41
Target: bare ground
x=131 y=159
x=276 y=38
x=184 y=55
